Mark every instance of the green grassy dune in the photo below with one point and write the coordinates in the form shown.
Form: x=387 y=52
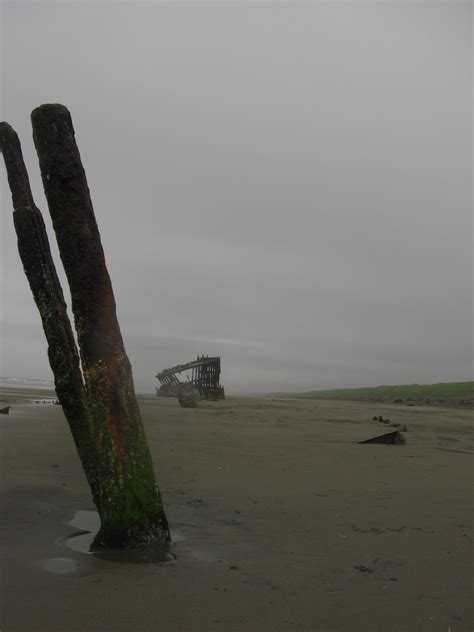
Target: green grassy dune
x=449 y=390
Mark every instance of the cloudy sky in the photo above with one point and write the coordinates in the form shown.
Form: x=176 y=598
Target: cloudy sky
x=284 y=184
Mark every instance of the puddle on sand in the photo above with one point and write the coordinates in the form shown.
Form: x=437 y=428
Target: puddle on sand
x=204 y=556
x=89 y=523
x=61 y=566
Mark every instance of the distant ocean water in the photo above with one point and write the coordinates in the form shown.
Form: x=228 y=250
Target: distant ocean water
x=24 y=382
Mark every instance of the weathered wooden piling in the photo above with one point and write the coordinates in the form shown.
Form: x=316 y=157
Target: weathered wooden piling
x=102 y=411
x=35 y=254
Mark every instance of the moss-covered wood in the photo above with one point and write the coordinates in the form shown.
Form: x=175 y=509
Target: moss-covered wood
x=101 y=407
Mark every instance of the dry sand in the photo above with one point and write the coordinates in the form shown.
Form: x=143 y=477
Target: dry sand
x=281 y=522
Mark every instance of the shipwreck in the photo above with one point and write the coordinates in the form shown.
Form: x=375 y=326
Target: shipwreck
x=202 y=374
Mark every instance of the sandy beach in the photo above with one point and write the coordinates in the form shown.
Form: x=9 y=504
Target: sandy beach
x=281 y=521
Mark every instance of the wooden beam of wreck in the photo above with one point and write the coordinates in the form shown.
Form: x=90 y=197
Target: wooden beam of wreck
x=186 y=367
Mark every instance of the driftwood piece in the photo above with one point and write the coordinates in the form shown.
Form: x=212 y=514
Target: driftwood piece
x=389 y=438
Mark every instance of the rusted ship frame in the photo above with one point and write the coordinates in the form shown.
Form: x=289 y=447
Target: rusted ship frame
x=204 y=376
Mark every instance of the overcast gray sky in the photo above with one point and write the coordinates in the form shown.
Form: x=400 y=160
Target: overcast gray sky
x=287 y=185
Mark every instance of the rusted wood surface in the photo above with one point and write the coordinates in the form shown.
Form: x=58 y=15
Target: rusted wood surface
x=77 y=234
x=104 y=409
x=130 y=500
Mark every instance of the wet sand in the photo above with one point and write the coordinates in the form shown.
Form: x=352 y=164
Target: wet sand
x=281 y=521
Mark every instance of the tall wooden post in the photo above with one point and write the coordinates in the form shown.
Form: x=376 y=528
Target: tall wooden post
x=105 y=408
x=35 y=254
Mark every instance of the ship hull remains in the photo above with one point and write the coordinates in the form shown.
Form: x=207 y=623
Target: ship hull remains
x=202 y=374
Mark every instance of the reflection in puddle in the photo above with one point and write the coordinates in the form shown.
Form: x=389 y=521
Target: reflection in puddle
x=88 y=522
